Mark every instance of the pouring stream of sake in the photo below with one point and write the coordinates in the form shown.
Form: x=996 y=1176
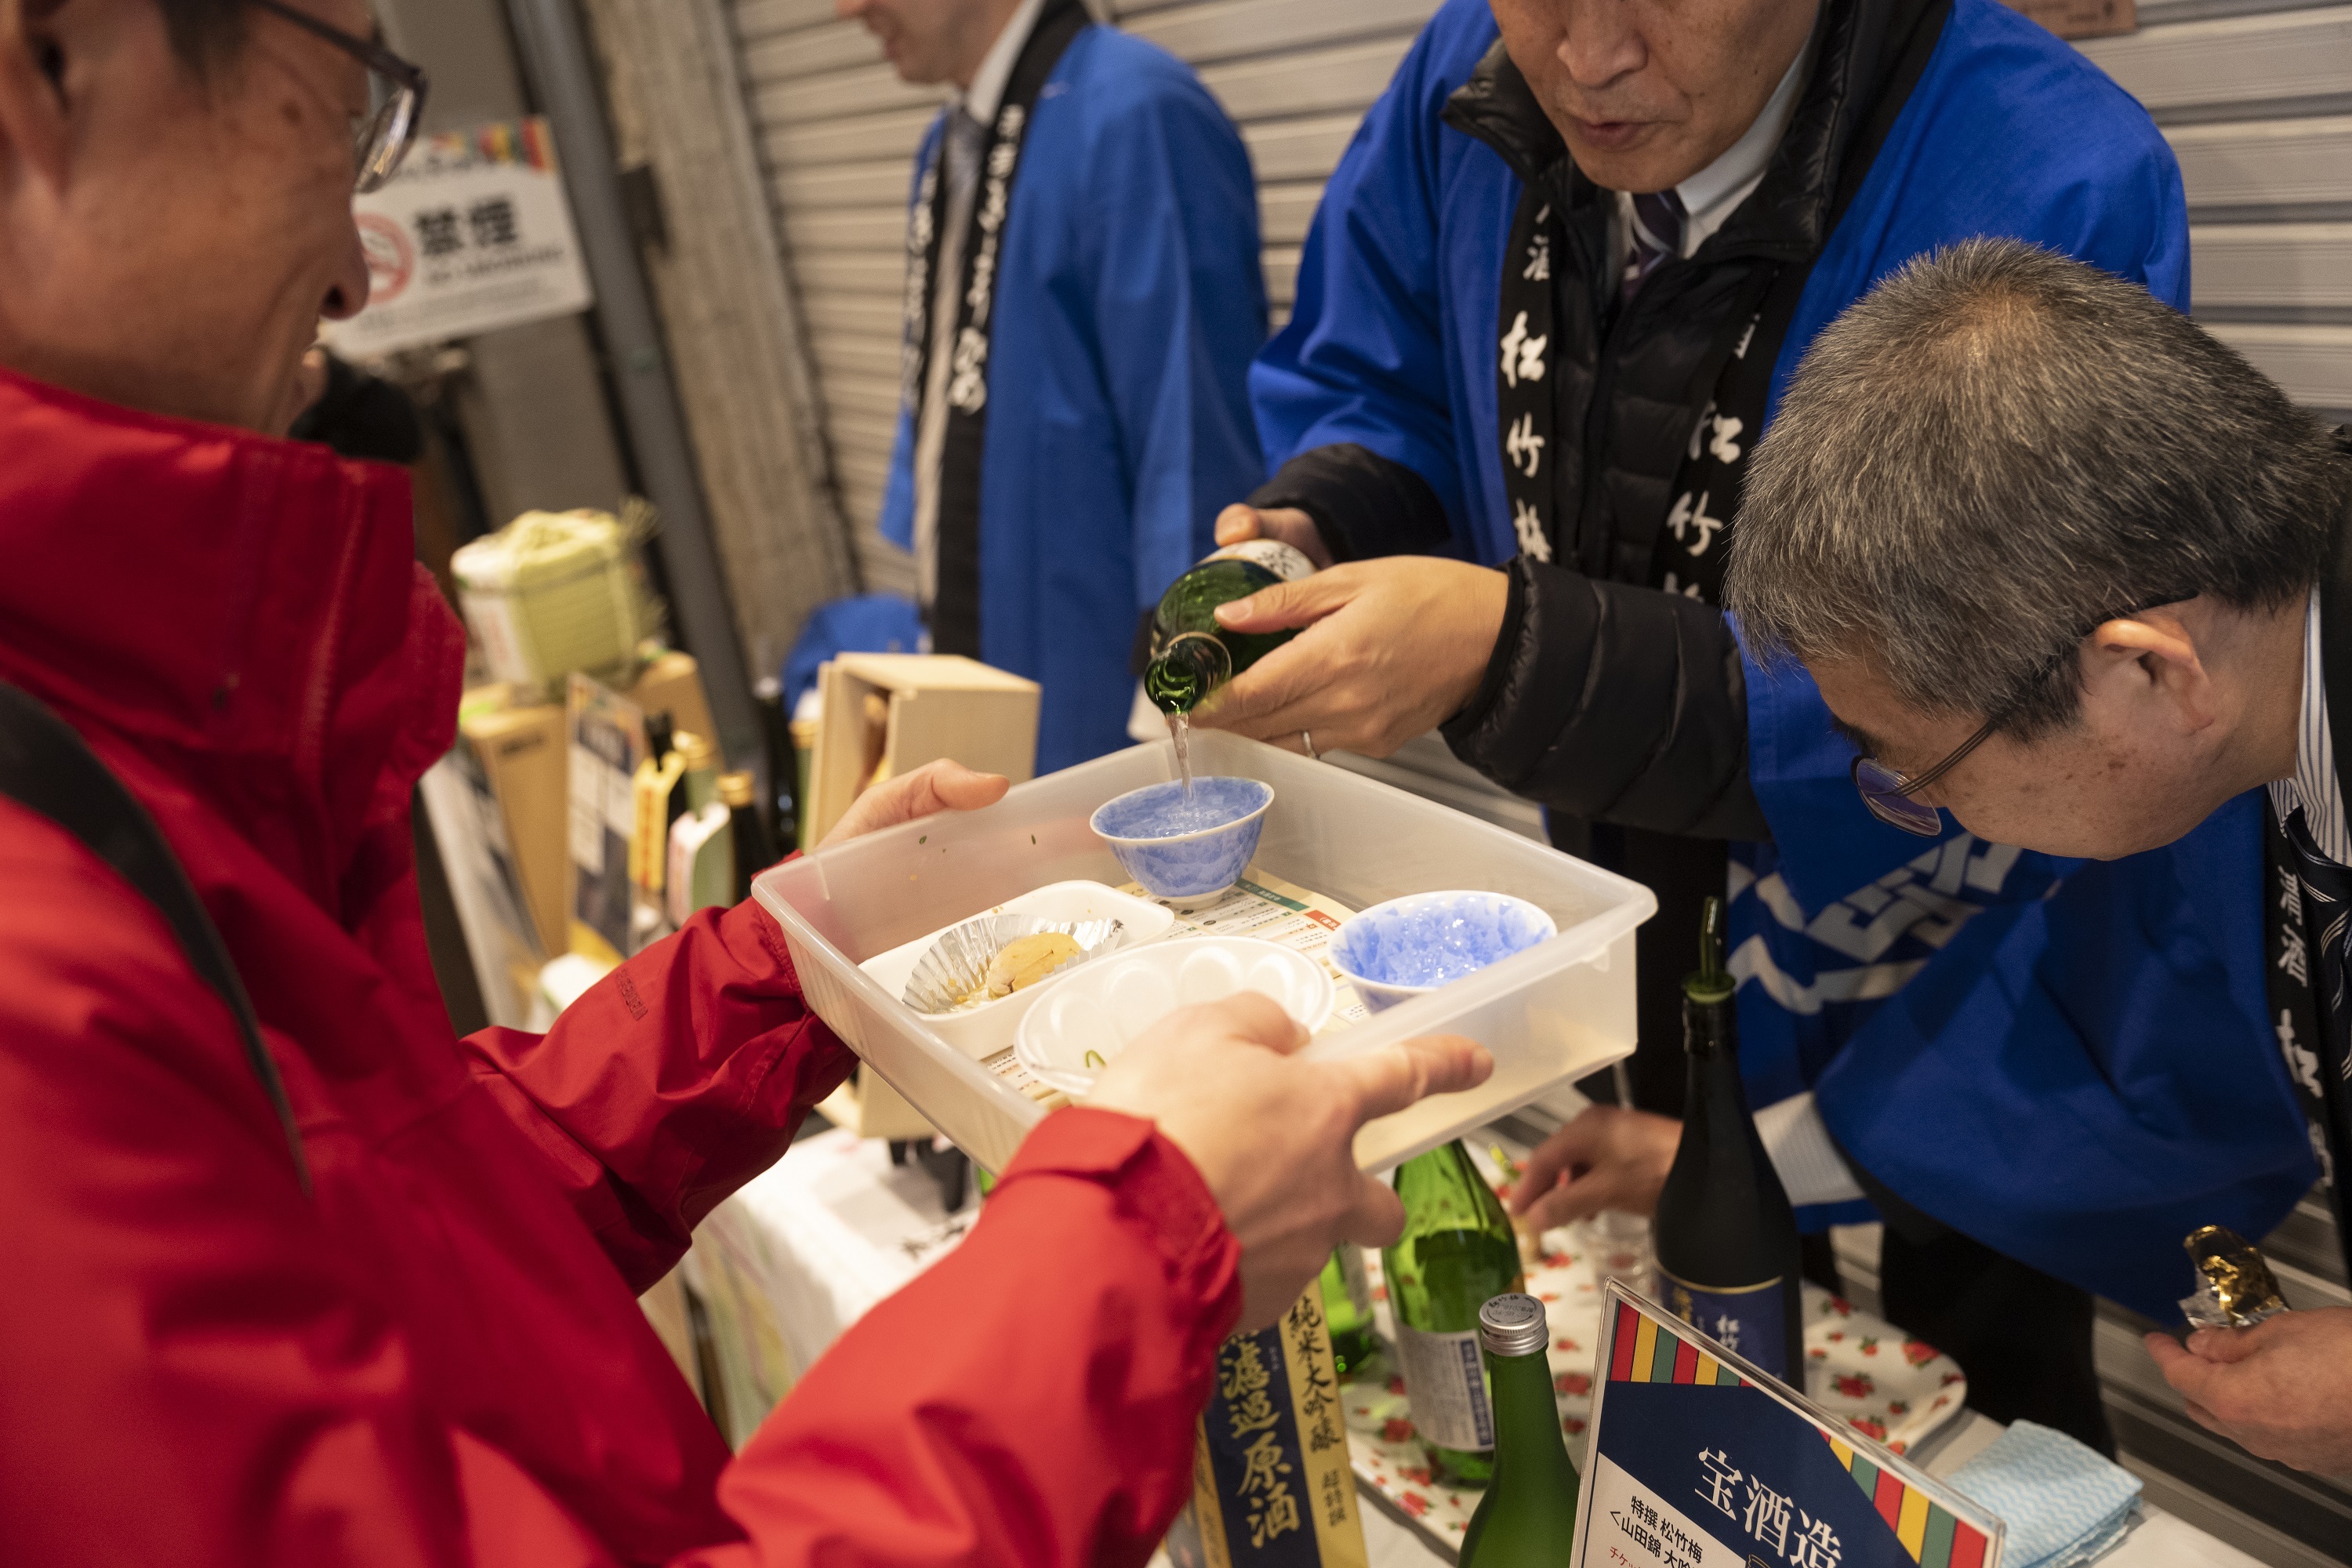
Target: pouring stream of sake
x=1180 y=730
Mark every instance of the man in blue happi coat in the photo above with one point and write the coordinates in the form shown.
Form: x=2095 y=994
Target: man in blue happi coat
x=1083 y=297
x=2120 y=608
x=1551 y=296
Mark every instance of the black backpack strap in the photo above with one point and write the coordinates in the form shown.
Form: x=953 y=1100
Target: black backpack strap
x=45 y=767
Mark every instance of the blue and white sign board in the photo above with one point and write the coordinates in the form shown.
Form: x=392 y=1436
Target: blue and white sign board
x=1697 y=1459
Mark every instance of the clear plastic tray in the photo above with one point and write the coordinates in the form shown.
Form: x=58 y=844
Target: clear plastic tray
x=1555 y=1012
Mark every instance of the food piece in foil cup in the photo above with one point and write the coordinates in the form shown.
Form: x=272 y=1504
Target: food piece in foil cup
x=2235 y=1288
x=961 y=971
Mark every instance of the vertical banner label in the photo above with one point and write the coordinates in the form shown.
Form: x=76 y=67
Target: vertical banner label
x=1271 y=1483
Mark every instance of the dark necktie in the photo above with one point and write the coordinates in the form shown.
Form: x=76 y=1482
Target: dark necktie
x=1656 y=232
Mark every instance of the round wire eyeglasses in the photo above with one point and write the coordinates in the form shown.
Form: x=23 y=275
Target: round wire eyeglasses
x=1888 y=793
x=380 y=138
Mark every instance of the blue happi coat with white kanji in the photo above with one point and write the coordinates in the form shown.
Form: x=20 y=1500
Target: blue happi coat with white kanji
x=1129 y=300
x=2069 y=1061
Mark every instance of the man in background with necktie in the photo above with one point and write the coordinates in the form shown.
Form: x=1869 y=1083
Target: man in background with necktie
x=1083 y=298
x=1543 y=315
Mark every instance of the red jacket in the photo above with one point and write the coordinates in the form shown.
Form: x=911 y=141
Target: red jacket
x=439 y=1358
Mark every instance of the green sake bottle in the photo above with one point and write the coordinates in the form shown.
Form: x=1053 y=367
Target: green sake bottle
x=1348 y=1309
x=1457 y=1253
x=1527 y=1518
x=1192 y=655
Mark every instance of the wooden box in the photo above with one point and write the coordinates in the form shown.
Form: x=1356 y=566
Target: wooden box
x=888 y=713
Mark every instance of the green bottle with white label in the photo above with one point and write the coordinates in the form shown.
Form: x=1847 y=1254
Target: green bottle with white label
x=1192 y=655
x=1527 y=1518
x=1457 y=1253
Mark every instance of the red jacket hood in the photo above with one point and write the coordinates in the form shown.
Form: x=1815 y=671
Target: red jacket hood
x=248 y=612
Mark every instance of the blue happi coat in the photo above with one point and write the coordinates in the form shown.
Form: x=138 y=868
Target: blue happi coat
x=1129 y=300
x=2068 y=1061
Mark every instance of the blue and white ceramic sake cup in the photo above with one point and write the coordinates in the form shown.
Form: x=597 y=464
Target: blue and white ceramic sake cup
x=1186 y=866
x=1408 y=947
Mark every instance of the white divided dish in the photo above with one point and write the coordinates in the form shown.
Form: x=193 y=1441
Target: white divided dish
x=1555 y=1012
x=983 y=1031
x=1099 y=1010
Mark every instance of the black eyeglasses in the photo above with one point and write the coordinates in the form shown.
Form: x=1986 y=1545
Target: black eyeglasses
x=382 y=136
x=1888 y=793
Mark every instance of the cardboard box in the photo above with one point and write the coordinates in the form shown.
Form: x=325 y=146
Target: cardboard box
x=520 y=753
x=485 y=884
x=672 y=684
x=518 y=743
x=899 y=710
x=605 y=736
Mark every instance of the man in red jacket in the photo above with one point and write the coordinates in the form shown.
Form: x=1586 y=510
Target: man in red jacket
x=435 y=1354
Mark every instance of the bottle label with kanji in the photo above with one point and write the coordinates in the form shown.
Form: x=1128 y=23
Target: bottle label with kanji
x=1445 y=1382
x=1751 y=1322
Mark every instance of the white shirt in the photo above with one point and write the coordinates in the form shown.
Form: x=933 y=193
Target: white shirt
x=1808 y=1162
x=1715 y=192
x=980 y=102
x=988 y=83
x=2315 y=787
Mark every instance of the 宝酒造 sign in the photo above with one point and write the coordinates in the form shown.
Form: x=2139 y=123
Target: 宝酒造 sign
x=1697 y=1459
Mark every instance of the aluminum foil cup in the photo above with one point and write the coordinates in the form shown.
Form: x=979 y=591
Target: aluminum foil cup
x=952 y=977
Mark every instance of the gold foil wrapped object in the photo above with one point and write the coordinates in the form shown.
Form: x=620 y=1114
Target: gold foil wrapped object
x=2236 y=1289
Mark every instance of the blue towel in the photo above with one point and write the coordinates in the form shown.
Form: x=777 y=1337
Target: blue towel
x=2063 y=1503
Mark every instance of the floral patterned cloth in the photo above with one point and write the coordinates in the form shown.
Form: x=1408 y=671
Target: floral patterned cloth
x=1893 y=1390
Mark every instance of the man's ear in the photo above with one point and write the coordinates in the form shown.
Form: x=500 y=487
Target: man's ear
x=2134 y=657
x=35 y=126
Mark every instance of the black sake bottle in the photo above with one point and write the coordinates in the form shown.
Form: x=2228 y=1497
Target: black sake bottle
x=1727 y=1254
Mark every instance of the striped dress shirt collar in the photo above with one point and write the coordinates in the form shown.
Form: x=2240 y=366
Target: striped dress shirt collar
x=2315 y=787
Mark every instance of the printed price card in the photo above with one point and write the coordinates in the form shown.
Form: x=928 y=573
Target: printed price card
x=1699 y=1460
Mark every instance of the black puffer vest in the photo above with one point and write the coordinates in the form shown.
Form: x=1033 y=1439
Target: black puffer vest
x=1633 y=382
x=1606 y=698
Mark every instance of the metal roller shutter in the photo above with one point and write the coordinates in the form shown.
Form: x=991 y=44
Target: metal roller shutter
x=838 y=131
x=2256 y=99
x=2257 y=103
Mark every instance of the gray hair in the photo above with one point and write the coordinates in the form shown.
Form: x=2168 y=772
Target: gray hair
x=1995 y=451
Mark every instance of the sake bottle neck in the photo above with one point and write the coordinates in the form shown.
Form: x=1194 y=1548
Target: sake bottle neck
x=1190 y=665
